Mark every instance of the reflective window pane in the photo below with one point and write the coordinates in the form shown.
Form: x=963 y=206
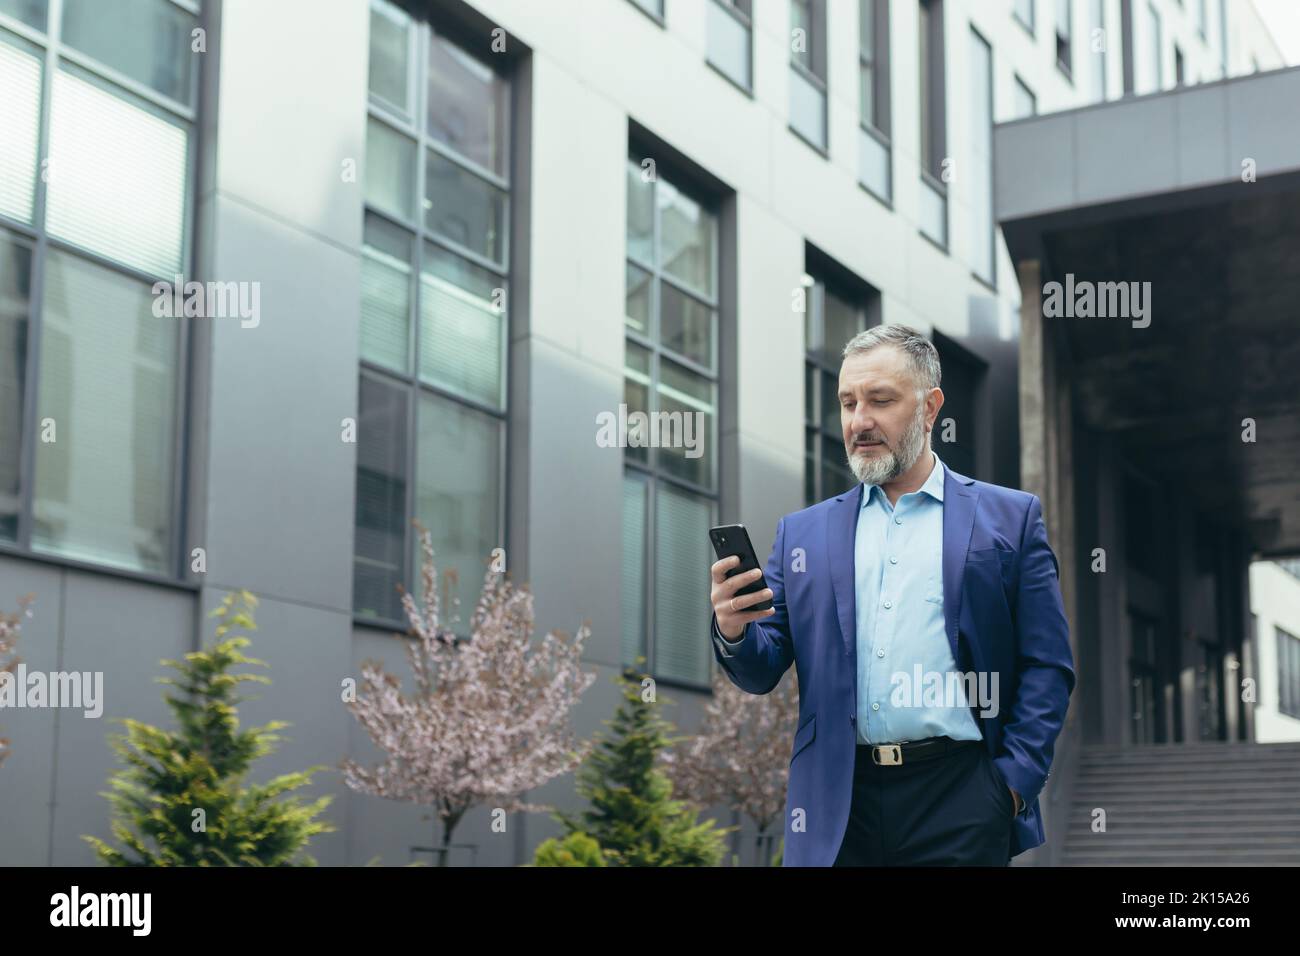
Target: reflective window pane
x=469 y=211
x=468 y=105
x=381 y=499
x=640 y=215
x=632 y=636
x=843 y=321
x=15 y=296
x=145 y=40
x=685 y=325
x=807 y=109
x=687 y=239
x=117 y=180
x=390 y=169
x=836 y=476
x=729 y=43
x=682 y=560
x=390 y=30
x=458 y=495
x=683 y=425
x=462 y=327
x=385 y=294
x=636 y=391
x=103 y=487
x=20 y=105
x=34 y=13
x=637 y=314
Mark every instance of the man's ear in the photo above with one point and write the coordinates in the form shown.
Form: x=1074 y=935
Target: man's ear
x=936 y=396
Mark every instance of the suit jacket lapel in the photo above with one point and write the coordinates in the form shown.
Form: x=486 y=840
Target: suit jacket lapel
x=958 y=519
x=840 y=535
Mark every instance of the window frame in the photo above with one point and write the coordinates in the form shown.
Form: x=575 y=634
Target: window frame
x=744 y=17
x=651 y=471
x=49 y=47
x=816 y=75
x=818 y=282
x=933 y=112
x=877 y=60
x=409 y=379
x=1064 y=41
x=1288 y=656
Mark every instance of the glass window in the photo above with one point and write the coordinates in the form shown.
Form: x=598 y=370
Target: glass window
x=107 y=382
x=688 y=239
x=379 y=561
x=1024 y=12
x=729 y=33
x=669 y=374
x=833 y=316
x=682 y=559
x=147 y=41
x=390 y=170
x=467 y=105
x=808 y=71
x=31 y=12
x=386 y=294
x=20 y=117
x=1097 y=21
x=635 y=517
x=390 y=55
x=1026 y=104
x=1064 y=46
x=15 y=298
x=444 y=133
x=983 y=244
x=89 y=470
x=459 y=475
x=117 y=181
x=462 y=329
x=464 y=209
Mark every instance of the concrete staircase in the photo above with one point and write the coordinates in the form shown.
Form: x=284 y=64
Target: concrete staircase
x=1204 y=804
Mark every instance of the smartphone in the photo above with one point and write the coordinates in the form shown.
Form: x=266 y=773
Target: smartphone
x=733 y=539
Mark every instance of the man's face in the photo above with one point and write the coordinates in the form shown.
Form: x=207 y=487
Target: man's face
x=885 y=427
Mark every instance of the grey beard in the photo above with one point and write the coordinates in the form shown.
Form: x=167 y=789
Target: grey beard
x=887 y=467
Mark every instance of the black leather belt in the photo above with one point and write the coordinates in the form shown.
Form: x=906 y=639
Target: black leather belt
x=888 y=755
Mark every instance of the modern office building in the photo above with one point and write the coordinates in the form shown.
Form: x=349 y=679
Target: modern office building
x=442 y=239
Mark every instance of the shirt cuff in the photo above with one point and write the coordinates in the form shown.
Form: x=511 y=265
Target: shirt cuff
x=725 y=647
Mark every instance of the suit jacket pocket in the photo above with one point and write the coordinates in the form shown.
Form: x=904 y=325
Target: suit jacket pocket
x=804 y=736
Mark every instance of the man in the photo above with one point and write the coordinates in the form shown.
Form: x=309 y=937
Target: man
x=923 y=613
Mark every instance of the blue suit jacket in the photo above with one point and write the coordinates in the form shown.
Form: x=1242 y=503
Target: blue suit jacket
x=1003 y=612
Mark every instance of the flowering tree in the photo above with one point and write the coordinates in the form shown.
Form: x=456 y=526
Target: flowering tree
x=741 y=756
x=10 y=626
x=490 y=716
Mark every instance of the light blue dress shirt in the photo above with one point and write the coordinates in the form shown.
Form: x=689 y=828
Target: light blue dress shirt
x=898 y=579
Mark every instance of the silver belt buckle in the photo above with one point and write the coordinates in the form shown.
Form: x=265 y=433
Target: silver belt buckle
x=887 y=755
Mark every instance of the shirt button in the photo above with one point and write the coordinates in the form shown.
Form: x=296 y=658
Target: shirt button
x=875 y=706
x=893 y=559
x=889 y=604
x=880 y=652
x=898 y=521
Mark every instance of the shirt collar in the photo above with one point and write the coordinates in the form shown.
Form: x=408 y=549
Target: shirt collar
x=933 y=485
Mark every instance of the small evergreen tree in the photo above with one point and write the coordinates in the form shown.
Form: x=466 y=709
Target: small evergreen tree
x=577 y=849
x=632 y=815
x=182 y=800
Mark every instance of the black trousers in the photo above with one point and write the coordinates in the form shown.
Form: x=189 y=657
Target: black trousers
x=952 y=810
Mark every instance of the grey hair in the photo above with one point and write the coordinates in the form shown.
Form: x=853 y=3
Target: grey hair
x=921 y=355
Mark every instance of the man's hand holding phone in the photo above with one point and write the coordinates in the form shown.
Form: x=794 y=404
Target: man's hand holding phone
x=730 y=607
